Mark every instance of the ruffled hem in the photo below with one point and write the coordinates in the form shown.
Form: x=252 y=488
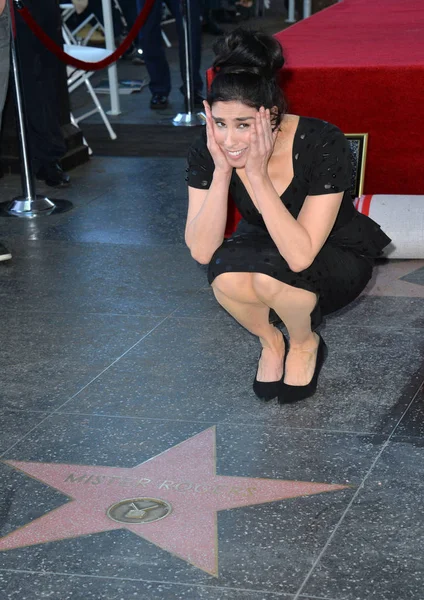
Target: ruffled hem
x=362 y=235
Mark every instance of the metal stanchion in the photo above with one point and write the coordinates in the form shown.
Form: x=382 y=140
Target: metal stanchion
x=190 y=118
x=115 y=107
x=30 y=204
x=291 y=12
x=307 y=8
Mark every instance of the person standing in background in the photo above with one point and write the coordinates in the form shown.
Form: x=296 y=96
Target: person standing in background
x=41 y=73
x=4 y=79
x=154 y=52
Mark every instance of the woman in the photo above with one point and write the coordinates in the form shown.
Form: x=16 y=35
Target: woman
x=301 y=248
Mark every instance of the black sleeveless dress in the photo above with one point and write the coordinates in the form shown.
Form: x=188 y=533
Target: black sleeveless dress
x=322 y=165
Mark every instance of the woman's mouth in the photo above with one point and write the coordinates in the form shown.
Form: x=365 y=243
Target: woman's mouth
x=235 y=154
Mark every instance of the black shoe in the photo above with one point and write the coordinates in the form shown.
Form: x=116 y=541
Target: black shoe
x=4 y=253
x=53 y=175
x=274 y=319
x=157 y=102
x=294 y=393
x=267 y=390
x=135 y=55
x=138 y=60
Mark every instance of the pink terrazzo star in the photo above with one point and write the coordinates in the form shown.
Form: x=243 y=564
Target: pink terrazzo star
x=183 y=476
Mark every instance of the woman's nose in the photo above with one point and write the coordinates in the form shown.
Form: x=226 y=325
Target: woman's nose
x=230 y=138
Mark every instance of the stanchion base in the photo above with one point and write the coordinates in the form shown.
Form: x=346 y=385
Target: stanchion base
x=189 y=119
x=34 y=207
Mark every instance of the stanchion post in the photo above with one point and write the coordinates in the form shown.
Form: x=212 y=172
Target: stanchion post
x=190 y=118
x=27 y=178
x=30 y=204
x=307 y=8
x=115 y=108
x=291 y=12
x=188 y=54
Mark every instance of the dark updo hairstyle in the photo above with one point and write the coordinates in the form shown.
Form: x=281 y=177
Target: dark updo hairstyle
x=245 y=70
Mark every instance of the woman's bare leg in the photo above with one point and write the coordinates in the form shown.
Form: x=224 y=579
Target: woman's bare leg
x=294 y=307
x=235 y=293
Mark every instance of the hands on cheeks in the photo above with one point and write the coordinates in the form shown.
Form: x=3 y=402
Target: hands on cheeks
x=219 y=158
x=262 y=140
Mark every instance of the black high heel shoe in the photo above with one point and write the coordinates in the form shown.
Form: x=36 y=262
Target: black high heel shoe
x=267 y=390
x=294 y=393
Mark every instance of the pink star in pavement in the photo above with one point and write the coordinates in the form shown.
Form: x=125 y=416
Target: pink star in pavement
x=183 y=477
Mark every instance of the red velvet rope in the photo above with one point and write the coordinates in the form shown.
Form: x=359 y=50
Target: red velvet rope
x=82 y=64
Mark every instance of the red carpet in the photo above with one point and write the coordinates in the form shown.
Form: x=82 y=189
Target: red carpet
x=360 y=65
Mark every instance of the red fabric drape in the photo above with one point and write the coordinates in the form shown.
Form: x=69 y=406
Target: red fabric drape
x=360 y=65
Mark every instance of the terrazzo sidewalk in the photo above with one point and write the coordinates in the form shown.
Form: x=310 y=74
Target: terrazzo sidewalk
x=136 y=461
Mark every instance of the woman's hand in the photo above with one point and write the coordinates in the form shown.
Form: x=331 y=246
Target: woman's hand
x=262 y=140
x=219 y=158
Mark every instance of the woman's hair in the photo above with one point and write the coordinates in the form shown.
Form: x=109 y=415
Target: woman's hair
x=245 y=70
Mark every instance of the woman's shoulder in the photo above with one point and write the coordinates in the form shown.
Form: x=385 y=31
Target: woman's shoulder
x=200 y=165
x=318 y=128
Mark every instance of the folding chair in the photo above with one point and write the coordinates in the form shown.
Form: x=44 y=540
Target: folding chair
x=78 y=77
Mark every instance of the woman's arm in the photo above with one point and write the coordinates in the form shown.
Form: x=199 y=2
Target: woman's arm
x=298 y=240
x=207 y=217
x=207 y=209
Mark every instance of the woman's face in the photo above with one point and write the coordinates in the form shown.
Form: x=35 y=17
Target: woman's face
x=232 y=128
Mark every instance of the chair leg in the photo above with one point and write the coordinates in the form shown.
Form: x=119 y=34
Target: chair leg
x=166 y=39
x=100 y=109
x=75 y=122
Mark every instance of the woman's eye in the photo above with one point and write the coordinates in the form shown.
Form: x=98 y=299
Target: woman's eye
x=219 y=124
x=243 y=125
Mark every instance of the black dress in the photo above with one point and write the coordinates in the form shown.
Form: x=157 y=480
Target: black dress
x=322 y=165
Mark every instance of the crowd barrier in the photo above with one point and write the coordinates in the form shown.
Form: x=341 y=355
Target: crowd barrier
x=30 y=204
x=74 y=62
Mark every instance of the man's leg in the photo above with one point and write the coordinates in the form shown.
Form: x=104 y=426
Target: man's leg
x=4 y=57
x=155 y=58
x=4 y=80
x=40 y=75
x=196 y=40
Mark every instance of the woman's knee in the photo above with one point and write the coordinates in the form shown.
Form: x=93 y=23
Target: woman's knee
x=234 y=285
x=266 y=287
x=269 y=289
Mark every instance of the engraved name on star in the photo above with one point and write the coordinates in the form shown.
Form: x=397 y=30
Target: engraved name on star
x=183 y=477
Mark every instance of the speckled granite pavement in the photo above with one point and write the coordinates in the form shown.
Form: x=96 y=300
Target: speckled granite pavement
x=123 y=380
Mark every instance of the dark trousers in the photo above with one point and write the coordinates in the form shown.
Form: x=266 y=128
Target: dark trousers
x=4 y=57
x=154 y=51
x=40 y=76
